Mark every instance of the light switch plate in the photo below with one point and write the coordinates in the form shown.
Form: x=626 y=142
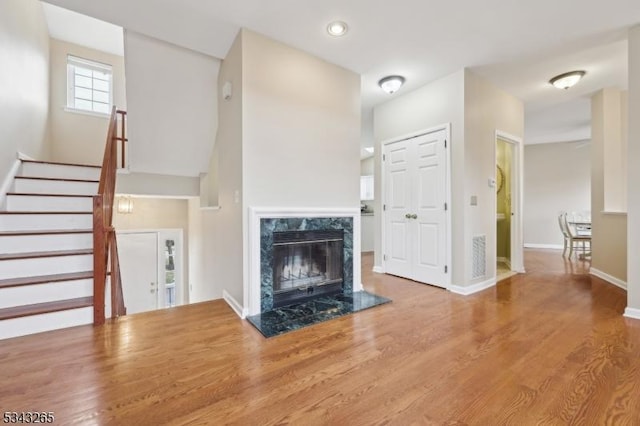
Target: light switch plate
x=474 y=200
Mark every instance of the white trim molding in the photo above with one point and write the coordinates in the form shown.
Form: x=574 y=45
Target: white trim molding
x=609 y=278
x=544 y=246
x=632 y=313
x=378 y=270
x=474 y=288
x=233 y=304
x=252 y=285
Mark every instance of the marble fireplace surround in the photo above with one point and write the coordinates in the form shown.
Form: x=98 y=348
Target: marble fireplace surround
x=253 y=290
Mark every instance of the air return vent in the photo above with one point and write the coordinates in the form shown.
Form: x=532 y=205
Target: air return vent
x=479 y=252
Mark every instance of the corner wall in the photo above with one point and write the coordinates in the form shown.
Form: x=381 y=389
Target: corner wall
x=24 y=82
x=436 y=103
x=633 y=157
x=609 y=229
x=78 y=137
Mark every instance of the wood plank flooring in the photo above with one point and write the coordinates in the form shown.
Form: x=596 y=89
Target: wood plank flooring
x=548 y=347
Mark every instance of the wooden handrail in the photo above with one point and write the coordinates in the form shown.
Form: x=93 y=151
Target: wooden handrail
x=104 y=237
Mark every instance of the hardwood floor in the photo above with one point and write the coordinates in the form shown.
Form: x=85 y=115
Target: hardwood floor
x=548 y=347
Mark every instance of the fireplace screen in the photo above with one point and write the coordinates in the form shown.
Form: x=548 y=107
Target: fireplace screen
x=306 y=263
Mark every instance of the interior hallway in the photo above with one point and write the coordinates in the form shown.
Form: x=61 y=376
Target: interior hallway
x=550 y=345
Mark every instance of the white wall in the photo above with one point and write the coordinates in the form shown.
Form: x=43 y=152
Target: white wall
x=172 y=108
x=301 y=128
x=153 y=184
x=487 y=109
x=436 y=103
x=633 y=157
x=609 y=229
x=557 y=177
x=76 y=137
x=24 y=82
x=475 y=109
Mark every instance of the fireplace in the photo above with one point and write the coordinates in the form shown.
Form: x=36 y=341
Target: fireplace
x=307 y=264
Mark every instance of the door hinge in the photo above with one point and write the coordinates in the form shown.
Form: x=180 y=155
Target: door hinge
x=445 y=143
x=384 y=157
x=445 y=207
x=384 y=207
x=384 y=257
x=446 y=269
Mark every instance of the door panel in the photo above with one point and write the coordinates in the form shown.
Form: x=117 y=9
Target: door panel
x=431 y=223
x=138 y=254
x=398 y=204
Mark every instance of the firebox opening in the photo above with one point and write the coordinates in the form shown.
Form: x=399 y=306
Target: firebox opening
x=306 y=264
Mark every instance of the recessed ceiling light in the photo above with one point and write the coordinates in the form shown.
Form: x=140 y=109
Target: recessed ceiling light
x=337 y=28
x=567 y=80
x=391 y=84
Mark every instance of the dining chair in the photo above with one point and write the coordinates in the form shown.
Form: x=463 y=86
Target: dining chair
x=572 y=240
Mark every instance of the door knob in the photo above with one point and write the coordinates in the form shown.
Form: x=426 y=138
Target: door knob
x=152 y=291
x=408 y=216
x=414 y=216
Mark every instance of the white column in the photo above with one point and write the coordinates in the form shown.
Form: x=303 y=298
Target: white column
x=633 y=199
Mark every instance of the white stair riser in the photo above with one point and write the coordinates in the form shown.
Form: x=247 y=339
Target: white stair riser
x=31 y=203
x=19 y=268
x=30 y=243
x=42 y=293
x=31 y=222
x=59 y=172
x=46 y=322
x=39 y=186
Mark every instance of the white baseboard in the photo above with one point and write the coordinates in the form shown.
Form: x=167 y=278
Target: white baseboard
x=378 y=269
x=474 y=288
x=8 y=180
x=632 y=313
x=233 y=303
x=544 y=246
x=609 y=278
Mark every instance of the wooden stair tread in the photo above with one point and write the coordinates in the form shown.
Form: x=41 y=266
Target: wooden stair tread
x=57 y=179
x=45 y=232
x=62 y=164
x=37 y=254
x=42 y=212
x=42 y=279
x=33 y=194
x=45 y=308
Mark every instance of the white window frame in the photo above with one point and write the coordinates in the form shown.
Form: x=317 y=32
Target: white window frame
x=72 y=63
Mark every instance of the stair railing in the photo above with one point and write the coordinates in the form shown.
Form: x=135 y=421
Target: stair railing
x=105 y=248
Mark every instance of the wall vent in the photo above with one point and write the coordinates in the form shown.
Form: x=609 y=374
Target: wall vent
x=479 y=252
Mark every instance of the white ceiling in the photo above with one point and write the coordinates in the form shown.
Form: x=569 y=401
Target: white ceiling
x=80 y=29
x=517 y=45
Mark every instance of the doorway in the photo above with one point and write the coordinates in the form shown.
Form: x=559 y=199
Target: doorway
x=151 y=268
x=508 y=185
x=416 y=217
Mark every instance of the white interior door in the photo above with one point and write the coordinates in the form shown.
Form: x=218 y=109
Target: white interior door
x=415 y=215
x=429 y=197
x=138 y=253
x=398 y=256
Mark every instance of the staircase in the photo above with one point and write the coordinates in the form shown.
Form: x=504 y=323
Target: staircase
x=46 y=248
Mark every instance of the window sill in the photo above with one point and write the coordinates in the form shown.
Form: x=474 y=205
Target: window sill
x=85 y=112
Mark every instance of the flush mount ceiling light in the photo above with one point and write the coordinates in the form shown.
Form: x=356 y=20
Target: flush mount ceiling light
x=337 y=28
x=391 y=84
x=567 y=80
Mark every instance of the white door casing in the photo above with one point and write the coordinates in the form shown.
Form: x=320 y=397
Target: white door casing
x=415 y=225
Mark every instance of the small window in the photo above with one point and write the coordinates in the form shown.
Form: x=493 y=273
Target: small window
x=89 y=85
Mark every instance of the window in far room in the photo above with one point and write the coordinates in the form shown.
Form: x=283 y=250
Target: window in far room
x=89 y=85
